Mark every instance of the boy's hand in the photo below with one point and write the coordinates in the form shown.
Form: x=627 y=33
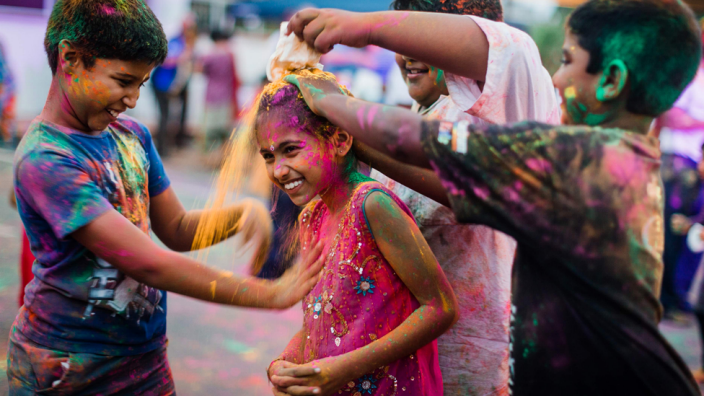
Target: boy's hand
x=299 y=280
x=314 y=89
x=320 y=377
x=255 y=225
x=323 y=28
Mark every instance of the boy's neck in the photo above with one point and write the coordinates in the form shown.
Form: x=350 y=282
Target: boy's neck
x=637 y=123
x=58 y=110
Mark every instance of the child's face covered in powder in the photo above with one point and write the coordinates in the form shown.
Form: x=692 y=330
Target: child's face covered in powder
x=425 y=83
x=577 y=87
x=300 y=163
x=95 y=96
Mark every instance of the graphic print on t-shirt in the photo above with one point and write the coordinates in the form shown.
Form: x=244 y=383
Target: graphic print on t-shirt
x=109 y=288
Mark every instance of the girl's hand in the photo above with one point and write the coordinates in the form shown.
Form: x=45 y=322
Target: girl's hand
x=314 y=89
x=321 y=377
x=284 y=375
x=322 y=29
x=300 y=279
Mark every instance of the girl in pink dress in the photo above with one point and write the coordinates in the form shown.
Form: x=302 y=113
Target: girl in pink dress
x=371 y=321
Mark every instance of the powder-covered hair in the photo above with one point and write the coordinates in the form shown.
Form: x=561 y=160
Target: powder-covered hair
x=489 y=9
x=658 y=40
x=285 y=102
x=110 y=29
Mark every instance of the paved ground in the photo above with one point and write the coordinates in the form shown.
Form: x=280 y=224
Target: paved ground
x=213 y=350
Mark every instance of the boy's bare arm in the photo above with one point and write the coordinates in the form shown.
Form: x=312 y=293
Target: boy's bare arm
x=176 y=227
x=113 y=238
x=390 y=130
x=453 y=43
x=423 y=181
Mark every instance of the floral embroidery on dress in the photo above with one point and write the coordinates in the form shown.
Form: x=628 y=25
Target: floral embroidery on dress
x=364 y=286
x=366 y=384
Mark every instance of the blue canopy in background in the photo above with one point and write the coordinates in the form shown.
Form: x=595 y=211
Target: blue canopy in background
x=276 y=9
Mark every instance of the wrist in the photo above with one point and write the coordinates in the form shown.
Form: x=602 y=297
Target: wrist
x=372 y=19
x=274 y=296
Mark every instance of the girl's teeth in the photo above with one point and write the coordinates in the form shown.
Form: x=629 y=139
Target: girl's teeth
x=290 y=186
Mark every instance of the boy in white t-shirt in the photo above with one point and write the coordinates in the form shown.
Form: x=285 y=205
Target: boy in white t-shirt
x=476 y=259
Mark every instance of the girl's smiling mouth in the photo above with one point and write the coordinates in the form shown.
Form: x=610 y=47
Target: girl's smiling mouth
x=293 y=186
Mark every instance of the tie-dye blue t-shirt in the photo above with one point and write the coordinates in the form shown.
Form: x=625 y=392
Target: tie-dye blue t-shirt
x=64 y=179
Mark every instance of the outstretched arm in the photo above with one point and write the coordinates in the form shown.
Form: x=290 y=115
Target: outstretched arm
x=453 y=43
x=392 y=131
x=113 y=238
x=177 y=227
x=424 y=181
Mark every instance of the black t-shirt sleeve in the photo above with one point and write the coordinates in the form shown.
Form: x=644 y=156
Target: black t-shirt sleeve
x=518 y=179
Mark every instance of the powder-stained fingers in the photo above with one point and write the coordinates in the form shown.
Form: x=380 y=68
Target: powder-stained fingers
x=302 y=390
x=277 y=392
x=300 y=19
x=311 y=32
x=326 y=40
x=314 y=257
x=285 y=381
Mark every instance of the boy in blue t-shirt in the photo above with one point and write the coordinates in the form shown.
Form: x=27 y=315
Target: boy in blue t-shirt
x=89 y=184
x=583 y=200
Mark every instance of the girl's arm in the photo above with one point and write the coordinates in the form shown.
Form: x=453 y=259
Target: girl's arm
x=404 y=247
x=114 y=239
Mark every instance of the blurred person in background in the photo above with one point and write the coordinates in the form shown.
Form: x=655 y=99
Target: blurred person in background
x=221 y=107
x=692 y=227
x=170 y=84
x=7 y=102
x=681 y=131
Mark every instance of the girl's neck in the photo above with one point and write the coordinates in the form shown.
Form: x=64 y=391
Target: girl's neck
x=339 y=192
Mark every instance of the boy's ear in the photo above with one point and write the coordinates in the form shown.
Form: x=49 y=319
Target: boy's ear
x=343 y=142
x=613 y=80
x=69 y=58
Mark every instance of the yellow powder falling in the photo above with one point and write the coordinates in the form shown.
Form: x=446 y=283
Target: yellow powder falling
x=241 y=162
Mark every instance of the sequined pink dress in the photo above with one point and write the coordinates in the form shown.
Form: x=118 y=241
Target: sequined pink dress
x=359 y=299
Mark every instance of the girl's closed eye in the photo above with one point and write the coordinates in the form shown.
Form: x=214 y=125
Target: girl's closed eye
x=291 y=149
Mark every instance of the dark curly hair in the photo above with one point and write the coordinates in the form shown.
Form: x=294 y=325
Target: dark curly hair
x=109 y=29
x=489 y=9
x=658 y=40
